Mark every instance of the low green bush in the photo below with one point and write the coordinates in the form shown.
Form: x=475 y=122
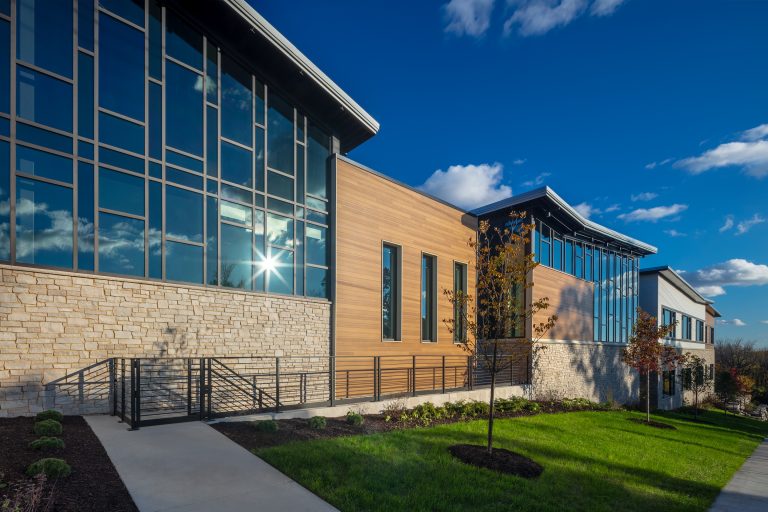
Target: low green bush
x=48 y=428
x=50 y=414
x=355 y=418
x=50 y=467
x=47 y=443
x=266 y=426
x=317 y=422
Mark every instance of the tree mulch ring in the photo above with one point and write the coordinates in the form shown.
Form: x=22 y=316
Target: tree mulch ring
x=93 y=485
x=654 y=424
x=503 y=461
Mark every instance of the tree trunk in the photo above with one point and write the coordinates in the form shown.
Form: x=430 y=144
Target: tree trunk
x=493 y=393
x=648 y=397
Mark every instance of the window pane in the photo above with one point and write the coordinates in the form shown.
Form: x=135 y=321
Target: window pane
x=234 y=212
x=5 y=68
x=236 y=257
x=557 y=254
x=122 y=160
x=121 y=192
x=428 y=303
x=43 y=99
x=121 y=245
x=132 y=10
x=155 y=121
x=212 y=155
x=85 y=216
x=182 y=42
x=44 y=34
x=236 y=102
x=184 y=109
x=44 y=138
x=46 y=165
x=317 y=161
x=280 y=270
x=212 y=74
x=184 y=178
x=212 y=242
x=389 y=292
x=236 y=194
x=85 y=23
x=280 y=134
x=317 y=252
x=121 y=68
x=280 y=206
x=183 y=262
x=300 y=173
x=85 y=95
x=569 y=257
x=155 y=40
x=121 y=133
x=459 y=289
x=281 y=186
x=299 y=257
x=183 y=214
x=279 y=230
x=43 y=223
x=259 y=153
x=236 y=165
x=5 y=201
x=182 y=160
x=259 y=118
x=259 y=249
x=155 y=237
x=317 y=282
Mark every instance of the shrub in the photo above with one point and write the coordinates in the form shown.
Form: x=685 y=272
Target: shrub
x=427 y=413
x=47 y=428
x=52 y=468
x=512 y=405
x=317 y=422
x=395 y=411
x=355 y=418
x=266 y=426
x=47 y=443
x=50 y=414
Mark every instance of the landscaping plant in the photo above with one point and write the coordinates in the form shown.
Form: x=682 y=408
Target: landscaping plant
x=266 y=426
x=47 y=428
x=355 y=418
x=647 y=354
x=47 y=443
x=317 y=422
x=494 y=328
x=50 y=467
x=695 y=378
x=50 y=414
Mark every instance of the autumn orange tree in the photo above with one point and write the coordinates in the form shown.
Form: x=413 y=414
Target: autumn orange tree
x=492 y=326
x=647 y=354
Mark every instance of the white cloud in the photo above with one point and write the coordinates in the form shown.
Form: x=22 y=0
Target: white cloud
x=538 y=180
x=537 y=17
x=727 y=225
x=468 y=17
x=764 y=322
x=519 y=161
x=673 y=233
x=586 y=210
x=713 y=280
x=736 y=322
x=653 y=214
x=644 y=196
x=750 y=153
x=756 y=133
x=613 y=208
x=745 y=225
x=605 y=7
x=651 y=165
x=468 y=186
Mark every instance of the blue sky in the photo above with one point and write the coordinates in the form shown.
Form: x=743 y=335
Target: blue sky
x=650 y=115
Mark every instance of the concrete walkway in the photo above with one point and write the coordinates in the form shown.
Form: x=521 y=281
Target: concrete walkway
x=748 y=489
x=190 y=467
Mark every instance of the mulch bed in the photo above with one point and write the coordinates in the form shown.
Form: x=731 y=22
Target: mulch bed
x=654 y=424
x=503 y=461
x=93 y=486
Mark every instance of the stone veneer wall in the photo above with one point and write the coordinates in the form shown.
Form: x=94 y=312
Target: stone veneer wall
x=584 y=370
x=54 y=323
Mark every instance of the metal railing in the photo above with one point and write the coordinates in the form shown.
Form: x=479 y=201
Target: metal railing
x=148 y=391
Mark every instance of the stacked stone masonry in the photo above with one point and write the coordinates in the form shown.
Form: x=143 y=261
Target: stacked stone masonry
x=55 y=323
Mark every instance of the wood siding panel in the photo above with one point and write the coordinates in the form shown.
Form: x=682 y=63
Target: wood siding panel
x=372 y=210
x=571 y=299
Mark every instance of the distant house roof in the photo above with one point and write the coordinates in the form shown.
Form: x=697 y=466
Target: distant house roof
x=284 y=66
x=681 y=284
x=554 y=201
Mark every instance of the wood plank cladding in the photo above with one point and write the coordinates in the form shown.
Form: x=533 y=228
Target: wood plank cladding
x=372 y=210
x=571 y=299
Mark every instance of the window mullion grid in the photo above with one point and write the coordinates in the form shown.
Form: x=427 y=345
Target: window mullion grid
x=146 y=139
x=163 y=124
x=205 y=160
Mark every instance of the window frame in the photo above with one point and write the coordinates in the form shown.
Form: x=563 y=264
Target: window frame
x=433 y=306
x=462 y=336
x=398 y=301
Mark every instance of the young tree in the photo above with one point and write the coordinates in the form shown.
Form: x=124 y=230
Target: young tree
x=493 y=326
x=647 y=354
x=696 y=379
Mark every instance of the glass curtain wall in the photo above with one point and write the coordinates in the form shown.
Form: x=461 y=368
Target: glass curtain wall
x=154 y=153
x=614 y=275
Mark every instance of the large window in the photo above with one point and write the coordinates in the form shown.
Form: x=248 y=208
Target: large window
x=390 y=292
x=428 y=298
x=669 y=317
x=668 y=382
x=686 y=327
x=459 y=311
x=143 y=148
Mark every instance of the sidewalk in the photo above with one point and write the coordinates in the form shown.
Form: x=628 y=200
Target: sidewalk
x=190 y=467
x=748 y=489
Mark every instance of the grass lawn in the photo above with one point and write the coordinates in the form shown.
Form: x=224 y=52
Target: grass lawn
x=592 y=461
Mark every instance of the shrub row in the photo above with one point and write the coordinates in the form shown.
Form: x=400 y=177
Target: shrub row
x=47 y=425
